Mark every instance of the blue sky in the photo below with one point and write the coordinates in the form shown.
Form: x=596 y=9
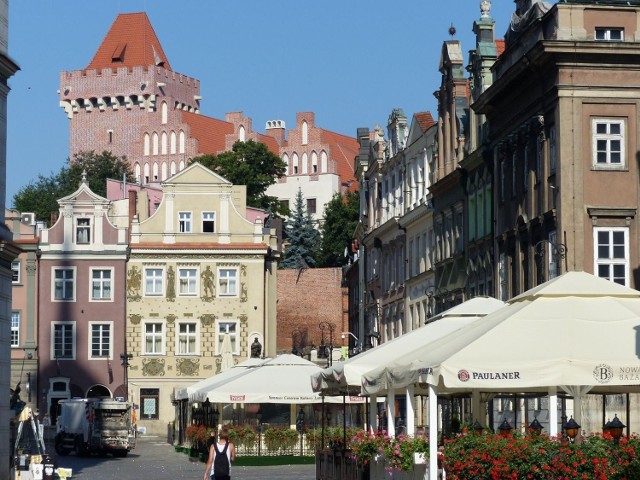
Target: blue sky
x=349 y=61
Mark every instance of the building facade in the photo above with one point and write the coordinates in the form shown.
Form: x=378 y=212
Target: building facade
x=81 y=302
x=198 y=272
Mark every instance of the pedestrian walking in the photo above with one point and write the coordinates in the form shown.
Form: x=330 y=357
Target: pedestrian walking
x=221 y=454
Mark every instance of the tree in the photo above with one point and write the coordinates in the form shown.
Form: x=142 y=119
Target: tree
x=341 y=215
x=302 y=236
x=252 y=164
x=41 y=196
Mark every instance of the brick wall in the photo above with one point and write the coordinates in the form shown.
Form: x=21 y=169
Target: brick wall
x=306 y=298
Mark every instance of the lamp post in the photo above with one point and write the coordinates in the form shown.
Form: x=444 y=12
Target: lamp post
x=615 y=428
x=535 y=427
x=435 y=294
x=125 y=358
x=572 y=428
x=327 y=349
x=477 y=428
x=300 y=428
x=505 y=428
x=356 y=346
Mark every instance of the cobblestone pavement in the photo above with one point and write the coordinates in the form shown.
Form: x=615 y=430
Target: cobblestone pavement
x=154 y=459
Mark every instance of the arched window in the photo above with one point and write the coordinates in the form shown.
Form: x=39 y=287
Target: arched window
x=285 y=159
x=323 y=162
x=165 y=112
x=305 y=163
x=164 y=171
x=147 y=144
x=181 y=165
x=155 y=171
x=173 y=168
x=137 y=172
x=181 y=142
x=172 y=141
x=295 y=163
x=164 y=143
x=146 y=173
x=314 y=162
x=155 y=143
x=305 y=133
x=241 y=133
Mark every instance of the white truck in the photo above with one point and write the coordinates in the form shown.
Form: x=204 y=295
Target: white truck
x=95 y=425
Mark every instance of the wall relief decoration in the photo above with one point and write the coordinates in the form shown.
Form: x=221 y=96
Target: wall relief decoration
x=208 y=284
x=243 y=292
x=243 y=270
x=153 y=367
x=171 y=285
x=171 y=318
x=135 y=319
x=134 y=279
x=187 y=367
x=207 y=319
x=243 y=319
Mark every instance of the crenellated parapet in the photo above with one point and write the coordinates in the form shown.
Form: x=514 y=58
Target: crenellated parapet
x=139 y=87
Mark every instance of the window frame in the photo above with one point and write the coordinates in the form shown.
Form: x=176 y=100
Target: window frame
x=607 y=34
x=162 y=282
x=612 y=261
x=149 y=394
x=54 y=269
x=110 y=298
x=179 y=335
x=608 y=137
x=83 y=228
x=312 y=206
x=15 y=328
x=185 y=225
x=235 y=336
x=90 y=338
x=196 y=284
x=69 y=324
x=205 y=221
x=162 y=336
x=16 y=273
x=235 y=293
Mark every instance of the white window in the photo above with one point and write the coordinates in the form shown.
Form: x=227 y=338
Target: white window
x=63 y=284
x=153 y=338
x=63 y=339
x=608 y=143
x=611 y=254
x=15 y=329
x=83 y=230
x=187 y=338
x=553 y=253
x=147 y=144
x=609 y=34
x=228 y=282
x=101 y=281
x=188 y=281
x=153 y=281
x=163 y=143
x=101 y=340
x=184 y=222
x=15 y=271
x=305 y=133
x=231 y=329
x=181 y=142
x=208 y=222
x=172 y=142
x=164 y=112
x=155 y=143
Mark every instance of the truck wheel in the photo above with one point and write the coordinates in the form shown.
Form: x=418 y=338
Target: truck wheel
x=60 y=450
x=120 y=453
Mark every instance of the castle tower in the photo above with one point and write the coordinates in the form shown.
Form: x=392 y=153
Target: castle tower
x=128 y=100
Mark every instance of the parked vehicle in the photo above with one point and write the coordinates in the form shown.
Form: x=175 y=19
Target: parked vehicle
x=95 y=425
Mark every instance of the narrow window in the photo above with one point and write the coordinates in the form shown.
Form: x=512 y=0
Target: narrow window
x=608 y=143
x=101 y=285
x=153 y=338
x=612 y=254
x=188 y=281
x=15 y=329
x=63 y=341
x=15 y=271
x=609 y=34
x=311 y=206
x=228 y=282
x=100 y=340
x=63 y=284
x=187 y=338
x=231 y=329
x=153 y=281
x=83 y=231
x=149 y=403
x=208 y=222
x=184 y=222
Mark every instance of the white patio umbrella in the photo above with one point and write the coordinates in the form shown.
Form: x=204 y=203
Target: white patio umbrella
x=198 y=391
x=226 y=352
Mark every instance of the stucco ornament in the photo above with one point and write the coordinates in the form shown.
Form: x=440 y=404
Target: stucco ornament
x=207 y=319
x=171 y=285
x=243 y=292
x=134 y=279
x=208 y=285
x=135 y=319
x=187 y=367
x=153 y=367
x=171 y=318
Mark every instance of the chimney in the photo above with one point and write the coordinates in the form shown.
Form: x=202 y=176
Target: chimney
x=276 y=129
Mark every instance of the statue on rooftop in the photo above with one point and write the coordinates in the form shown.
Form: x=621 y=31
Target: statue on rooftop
x=526 y=12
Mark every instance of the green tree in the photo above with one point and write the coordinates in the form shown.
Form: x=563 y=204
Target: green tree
x=42 y=195
x=340 y=219
x=252 y=164
x=302 y=236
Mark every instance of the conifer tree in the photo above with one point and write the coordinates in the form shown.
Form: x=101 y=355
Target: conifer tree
x=302 y=236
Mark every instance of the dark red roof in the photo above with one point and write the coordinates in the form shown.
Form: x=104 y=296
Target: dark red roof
x=210 y=132
x=425 y=120
x=500 y=46
x=344 y=151
x=130 y=42
x=270 y=142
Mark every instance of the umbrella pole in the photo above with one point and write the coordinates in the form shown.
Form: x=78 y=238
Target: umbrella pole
x=323 y=420
x=344 y=421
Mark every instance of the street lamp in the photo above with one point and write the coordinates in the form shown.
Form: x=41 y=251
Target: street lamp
x=615 y=428
x=126 y=358
x=505 y=428
x=572 y=428
x=356 y=347
x=535 y=427
x=326 y=350
x=477 y=428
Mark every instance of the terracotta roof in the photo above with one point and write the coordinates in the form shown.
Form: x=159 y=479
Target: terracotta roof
x=425 y=120
x=500 y=46
x=131 y=41
x=344 y=151
x=210 y=132
x=270 y=142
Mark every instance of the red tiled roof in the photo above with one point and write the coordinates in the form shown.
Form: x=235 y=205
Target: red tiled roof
x=344 y=151
x=131 y=41
x=425 y=120
x=270 y=142
x=500 y=46
x=210 y=132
